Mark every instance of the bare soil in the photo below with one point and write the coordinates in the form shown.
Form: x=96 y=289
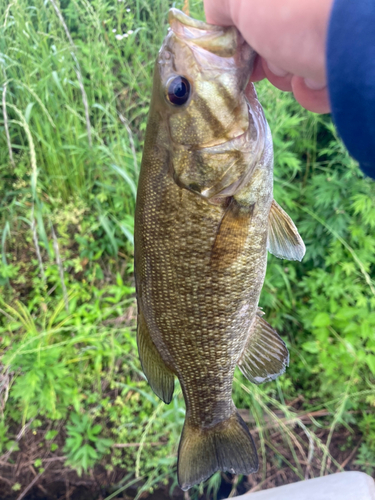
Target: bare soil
x=58 y=482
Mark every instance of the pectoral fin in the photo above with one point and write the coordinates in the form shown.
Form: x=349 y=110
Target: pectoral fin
x=265 y=356
x=231 y=236
x=159 y=377
x=284 y=240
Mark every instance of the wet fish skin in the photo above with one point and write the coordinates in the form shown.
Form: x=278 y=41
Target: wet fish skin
x=204 y=207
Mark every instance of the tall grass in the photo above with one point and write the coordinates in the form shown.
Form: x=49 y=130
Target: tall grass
x=76 y=81
x=70 y=84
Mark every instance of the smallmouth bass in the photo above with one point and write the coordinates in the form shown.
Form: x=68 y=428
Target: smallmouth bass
x=205 y=218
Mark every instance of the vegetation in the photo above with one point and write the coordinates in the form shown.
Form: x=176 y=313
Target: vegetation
x=76 y=82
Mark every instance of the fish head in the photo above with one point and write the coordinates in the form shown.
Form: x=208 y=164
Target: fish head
x=201 y=74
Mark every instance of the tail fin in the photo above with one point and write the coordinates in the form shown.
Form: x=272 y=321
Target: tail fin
x=228 y=447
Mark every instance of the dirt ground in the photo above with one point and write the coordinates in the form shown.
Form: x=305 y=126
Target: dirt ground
x=57 y=482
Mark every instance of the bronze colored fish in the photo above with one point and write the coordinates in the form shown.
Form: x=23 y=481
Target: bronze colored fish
x=205 y=218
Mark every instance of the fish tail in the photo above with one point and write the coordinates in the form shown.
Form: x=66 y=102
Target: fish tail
x=228 y=446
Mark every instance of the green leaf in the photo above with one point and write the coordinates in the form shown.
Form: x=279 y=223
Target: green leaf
x=96 y=429
x=311 y=346
x=370 y=361
x=322 y=319
x=129 y=181
x=50 y=435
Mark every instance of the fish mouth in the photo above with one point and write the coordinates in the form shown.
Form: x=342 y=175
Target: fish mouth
x=223 y=41
x=222 y=146
x=184 y=19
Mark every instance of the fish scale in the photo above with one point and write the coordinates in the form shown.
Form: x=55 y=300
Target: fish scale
x=202 y=231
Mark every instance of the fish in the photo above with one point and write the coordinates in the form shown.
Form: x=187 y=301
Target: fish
x=205 y=219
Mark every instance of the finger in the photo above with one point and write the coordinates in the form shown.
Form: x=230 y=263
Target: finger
x=282 y=81
x=258 y=72
x=218 y=12
x=313 y=100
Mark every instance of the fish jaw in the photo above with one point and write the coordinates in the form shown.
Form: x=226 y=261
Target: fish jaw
x=214 y=47
x=219 y=40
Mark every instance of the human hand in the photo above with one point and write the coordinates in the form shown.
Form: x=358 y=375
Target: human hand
x=290 y=39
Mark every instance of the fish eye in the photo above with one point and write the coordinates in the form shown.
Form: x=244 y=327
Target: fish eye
x=178 y=91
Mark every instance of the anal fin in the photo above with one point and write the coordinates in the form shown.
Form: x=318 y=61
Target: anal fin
x=265 y=356
x=160 y=378
x=284 y=240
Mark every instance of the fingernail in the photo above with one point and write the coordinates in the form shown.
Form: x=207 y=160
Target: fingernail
x=313 y=85
x=276 y=70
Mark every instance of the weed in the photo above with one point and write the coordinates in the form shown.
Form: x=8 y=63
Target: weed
x=84 y=446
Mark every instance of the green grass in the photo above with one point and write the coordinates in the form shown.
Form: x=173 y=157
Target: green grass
x=70 y=148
